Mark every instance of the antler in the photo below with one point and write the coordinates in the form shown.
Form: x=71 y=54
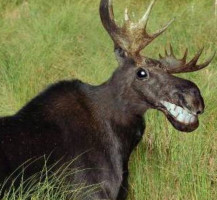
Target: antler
x=132 y=37
x=174 y=65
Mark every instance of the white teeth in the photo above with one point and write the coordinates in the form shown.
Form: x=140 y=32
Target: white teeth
x=172 y=106
x=174 y=113
x=181 y=118
x=187 y=119
x=180 y=114
x=179 y=109
x=192 y=119
x=185 y=112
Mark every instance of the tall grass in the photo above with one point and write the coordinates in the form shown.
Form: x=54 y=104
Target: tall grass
x=46 y=41
x=51 y=183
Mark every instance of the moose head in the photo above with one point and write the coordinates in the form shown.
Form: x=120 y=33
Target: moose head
x=150 y=83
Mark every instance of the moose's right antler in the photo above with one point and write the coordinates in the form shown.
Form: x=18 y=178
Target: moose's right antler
x=174 y=65
x=132 y=37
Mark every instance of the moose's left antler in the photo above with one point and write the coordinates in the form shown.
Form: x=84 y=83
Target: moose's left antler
x=132 y=37
x=174 y=65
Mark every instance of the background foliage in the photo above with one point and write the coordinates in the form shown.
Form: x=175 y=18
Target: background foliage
x=42 y=42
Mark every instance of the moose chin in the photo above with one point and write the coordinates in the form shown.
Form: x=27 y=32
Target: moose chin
x=104 y=123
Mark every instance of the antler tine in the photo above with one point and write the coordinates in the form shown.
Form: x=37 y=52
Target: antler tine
x=107 y=18
x=159 y=32
x=196 y=57
x=185 y=55
x=171 y=51
x=111 y=11
x=205 y=64
x=143 y=21
x=166 y=53
x=126 y=15
x=192 y=68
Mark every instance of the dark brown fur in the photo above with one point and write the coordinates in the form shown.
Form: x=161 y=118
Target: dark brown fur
x=100 y=124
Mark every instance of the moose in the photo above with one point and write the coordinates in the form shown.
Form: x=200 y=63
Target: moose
x=104 y=123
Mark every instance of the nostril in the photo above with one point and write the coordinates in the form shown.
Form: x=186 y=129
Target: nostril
x=199 y=112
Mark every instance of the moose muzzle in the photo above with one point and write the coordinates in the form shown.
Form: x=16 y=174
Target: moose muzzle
x=183 y=112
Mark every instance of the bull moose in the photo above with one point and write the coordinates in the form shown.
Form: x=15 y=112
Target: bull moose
x=106 y=121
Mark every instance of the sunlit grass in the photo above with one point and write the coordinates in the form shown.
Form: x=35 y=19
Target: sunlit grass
x=51 y=183
x=46 y=41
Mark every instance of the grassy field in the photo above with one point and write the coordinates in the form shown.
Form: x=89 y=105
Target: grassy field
x=42 y=42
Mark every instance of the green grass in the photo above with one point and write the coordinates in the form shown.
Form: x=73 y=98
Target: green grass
x=46 y=41
x=48 y=185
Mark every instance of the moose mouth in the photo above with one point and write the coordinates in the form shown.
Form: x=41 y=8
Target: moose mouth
x=181 y=118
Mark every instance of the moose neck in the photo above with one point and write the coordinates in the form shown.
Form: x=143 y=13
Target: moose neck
x=115 y=101
x=115 y=106
x=123 y=120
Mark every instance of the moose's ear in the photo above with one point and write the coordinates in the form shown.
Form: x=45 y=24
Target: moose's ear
x=123 y=58
x=121 y=55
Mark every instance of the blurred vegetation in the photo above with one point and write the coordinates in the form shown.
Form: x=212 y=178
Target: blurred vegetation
x=46 y=41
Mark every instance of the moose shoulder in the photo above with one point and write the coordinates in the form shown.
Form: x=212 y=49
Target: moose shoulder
x=103 y=123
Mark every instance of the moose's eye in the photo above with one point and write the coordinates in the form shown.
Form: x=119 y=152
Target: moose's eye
x=142 y=74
